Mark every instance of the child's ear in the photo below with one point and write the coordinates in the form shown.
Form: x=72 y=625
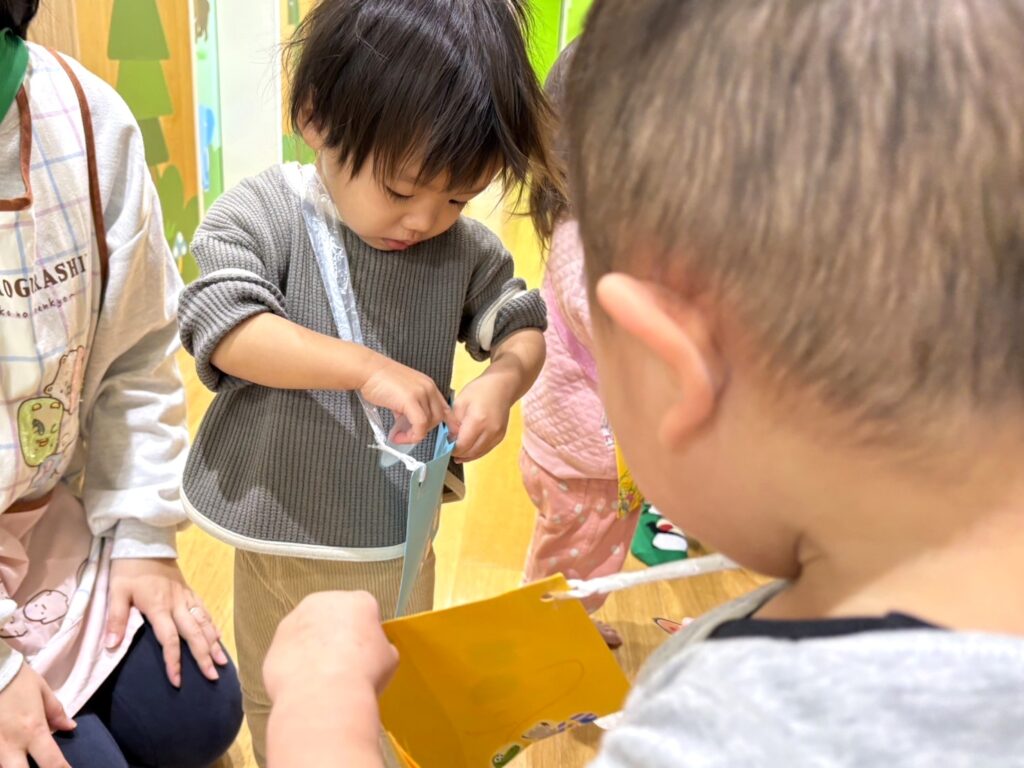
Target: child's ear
x=311 y=133
x=680 y=334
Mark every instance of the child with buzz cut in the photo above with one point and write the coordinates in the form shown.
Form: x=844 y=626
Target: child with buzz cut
x=804 y=231
x=413 y=109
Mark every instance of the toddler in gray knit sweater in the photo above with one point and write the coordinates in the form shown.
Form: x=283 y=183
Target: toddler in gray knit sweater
x=413 y=109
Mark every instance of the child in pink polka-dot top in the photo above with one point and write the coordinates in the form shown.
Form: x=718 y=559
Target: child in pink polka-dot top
x=568 y=458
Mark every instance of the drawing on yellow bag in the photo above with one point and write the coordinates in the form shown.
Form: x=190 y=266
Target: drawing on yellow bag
x=546 y=730
x=468 y=694
x=631 y=501
x=506 y=756
x=539 y=732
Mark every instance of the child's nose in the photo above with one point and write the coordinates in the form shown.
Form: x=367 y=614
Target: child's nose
x=420 y=221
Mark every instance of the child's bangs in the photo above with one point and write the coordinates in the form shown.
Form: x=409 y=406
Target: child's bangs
x=459 y=138
x=430 y=92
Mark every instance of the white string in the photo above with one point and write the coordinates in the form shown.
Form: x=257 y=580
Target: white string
x=682 y=569
x=411 y=463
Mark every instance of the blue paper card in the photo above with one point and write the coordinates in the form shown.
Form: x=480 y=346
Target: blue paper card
x=425 y=488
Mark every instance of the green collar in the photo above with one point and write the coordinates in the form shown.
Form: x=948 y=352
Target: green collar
x=13 y=65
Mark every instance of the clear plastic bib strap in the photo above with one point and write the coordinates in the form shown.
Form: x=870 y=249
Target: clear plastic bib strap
x=321 y=219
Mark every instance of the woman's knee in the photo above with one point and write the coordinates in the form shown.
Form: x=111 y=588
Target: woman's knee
x=187 y=727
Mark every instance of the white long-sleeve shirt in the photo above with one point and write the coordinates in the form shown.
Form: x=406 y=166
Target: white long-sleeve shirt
x=127 y=464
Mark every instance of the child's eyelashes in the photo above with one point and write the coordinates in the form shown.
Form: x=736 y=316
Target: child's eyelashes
x=394 y=195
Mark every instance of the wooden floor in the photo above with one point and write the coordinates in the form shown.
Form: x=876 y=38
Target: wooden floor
x=481 y=547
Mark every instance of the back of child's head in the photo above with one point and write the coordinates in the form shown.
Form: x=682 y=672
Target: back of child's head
x=548 y=200
x=844 y=179
x=444 y=87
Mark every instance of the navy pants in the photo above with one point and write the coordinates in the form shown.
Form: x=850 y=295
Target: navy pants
x=139 y=720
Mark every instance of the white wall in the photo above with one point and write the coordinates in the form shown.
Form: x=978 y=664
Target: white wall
x=249 y=39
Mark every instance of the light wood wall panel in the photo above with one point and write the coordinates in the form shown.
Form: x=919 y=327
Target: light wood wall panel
x=55 y=26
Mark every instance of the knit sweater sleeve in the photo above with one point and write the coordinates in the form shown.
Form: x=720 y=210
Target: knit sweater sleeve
x=498 y=303
x=242 y=254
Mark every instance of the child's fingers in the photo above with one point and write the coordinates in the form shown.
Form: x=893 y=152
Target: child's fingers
x=474 y=452
x=454 y=426
x=435 y=407
x=469 y=441
x=422 y=415
x=187 y=621
x=418 y=419
x=439 y=408
x=477 y=442
x=167 y=635
x=117 y=616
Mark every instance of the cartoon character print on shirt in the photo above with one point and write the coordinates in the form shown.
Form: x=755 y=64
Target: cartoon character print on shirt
x=67 y=384
x=41 y=419
x=14 y=628
x=46 y=607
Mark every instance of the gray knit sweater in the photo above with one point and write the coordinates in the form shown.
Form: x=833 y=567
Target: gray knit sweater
x=290 y=472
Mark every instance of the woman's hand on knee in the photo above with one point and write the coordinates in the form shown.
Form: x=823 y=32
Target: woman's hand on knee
x=158 y=589
x=29 y=714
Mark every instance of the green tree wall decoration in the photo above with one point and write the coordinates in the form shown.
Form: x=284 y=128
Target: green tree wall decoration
x=138 y=42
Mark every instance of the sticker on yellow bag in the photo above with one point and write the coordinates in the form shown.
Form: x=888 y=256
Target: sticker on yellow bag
x=479 y=683
x=631 y=501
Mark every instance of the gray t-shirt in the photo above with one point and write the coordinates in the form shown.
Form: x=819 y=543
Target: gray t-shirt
x=291 y=472
x=916 y=697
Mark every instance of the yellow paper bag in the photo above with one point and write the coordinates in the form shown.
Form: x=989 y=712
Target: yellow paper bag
x=400 y=758
x=478 y=683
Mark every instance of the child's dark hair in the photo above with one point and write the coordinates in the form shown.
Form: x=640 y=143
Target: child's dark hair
x=445 y=84
x=548 y=199
x=17 y=15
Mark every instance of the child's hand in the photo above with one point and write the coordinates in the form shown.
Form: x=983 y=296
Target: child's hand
x=481 y=412
x=406 y=393
x=333 y=640
x=29 y=714
x=158 y=590
x=328 y=663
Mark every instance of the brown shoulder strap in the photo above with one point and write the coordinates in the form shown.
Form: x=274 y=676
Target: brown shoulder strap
x=25 y=148
x=94 y=178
